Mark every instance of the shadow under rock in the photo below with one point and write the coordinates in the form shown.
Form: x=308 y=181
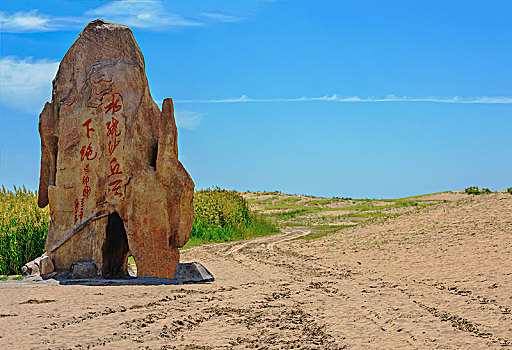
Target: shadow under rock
x=126 y=281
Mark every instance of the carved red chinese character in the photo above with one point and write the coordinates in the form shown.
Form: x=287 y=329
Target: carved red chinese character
x=113 y=105
x=85 y=180
x=114 y=169
x=112 y=127
x=89 y=129
x=87 y=191
x=116 y=187
x=81 y=209
x=86 y=153
x=76 y=210
x=113 y=145
x=86 y=168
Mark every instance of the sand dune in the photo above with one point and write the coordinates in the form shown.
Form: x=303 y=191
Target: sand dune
x=439 y=278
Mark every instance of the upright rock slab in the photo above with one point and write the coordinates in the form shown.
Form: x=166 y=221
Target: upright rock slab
x=109 y=162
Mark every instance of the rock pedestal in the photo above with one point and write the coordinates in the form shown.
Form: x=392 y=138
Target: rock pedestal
x=41 y=266
x=109 y=162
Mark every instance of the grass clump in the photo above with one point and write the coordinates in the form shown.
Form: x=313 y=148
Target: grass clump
x=23 y=229
x=509 y=190
x=221 y=216
x=476 y=191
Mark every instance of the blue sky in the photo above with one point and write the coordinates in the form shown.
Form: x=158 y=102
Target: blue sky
x=333 y=98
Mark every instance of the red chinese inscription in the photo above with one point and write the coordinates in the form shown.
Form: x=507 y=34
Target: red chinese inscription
x=114 y=168
x=87 y=191
x=76 y=210
x=113 y=105
x=86 y=153
x=113 y=133
x=113 y=145
x=112 y=127
x=116 y=187
x=81 y=209
x=89 y=129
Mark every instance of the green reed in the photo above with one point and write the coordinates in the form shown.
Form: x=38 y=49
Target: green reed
x=23 y=229
x=221 y=216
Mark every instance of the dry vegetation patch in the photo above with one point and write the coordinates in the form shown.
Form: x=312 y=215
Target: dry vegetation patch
x=326 y=215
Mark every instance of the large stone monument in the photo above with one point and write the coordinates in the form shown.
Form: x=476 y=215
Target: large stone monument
x=109 y=162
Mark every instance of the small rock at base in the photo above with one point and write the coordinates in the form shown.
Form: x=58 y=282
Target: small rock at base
x=192 y=272
x=83 y=270
x=45 y=266
x=30 y=269
x=38 y=261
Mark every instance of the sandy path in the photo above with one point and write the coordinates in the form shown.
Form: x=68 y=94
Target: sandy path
x=436 y=279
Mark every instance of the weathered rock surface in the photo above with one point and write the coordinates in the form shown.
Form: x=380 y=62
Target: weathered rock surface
x=30 y=269
x=109 y=162
x=46 y=266
x=83 y=270
x=40 y=266
x=193 y=272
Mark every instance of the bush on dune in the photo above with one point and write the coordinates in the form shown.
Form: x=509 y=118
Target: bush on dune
x=221 y=216
x=475 y=190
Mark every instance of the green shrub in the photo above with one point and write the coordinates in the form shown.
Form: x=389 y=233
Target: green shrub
x=220 y=208
x=472 y=190
x=23 y=228
x=221 y=216
x=475 y=190
x=509 y=190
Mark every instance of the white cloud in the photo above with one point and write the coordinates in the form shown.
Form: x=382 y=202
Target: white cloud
x=220 y=17
x=142 y=14
x=22 y=22
x=146 y=14
x=26 y=84
x=32 y=22
x=389 y=98
x=188 y=120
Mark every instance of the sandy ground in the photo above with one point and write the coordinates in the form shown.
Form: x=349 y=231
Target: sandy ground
x=443 y=196
x=436 y=279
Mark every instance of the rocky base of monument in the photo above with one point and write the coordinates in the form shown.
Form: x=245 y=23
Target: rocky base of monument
x=42 y=266
x=192 y=272
x=38 y=268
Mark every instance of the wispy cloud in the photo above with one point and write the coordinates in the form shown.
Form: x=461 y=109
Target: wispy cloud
x=188 y=120
x=141 y=14
x=25 y=84
x=146 y=14
x=33 y=22
x=221 y=17
x=23 y=22
x=353 y=99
